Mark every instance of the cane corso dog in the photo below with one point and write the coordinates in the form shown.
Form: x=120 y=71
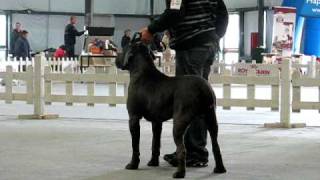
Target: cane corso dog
x=158 y=98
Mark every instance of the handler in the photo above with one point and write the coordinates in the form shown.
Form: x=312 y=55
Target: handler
x=195 y=29
x=70 y=34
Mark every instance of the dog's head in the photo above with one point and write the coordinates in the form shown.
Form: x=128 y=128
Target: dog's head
x=136 y=47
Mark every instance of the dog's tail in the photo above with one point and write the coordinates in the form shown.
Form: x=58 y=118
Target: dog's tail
x=212 y=124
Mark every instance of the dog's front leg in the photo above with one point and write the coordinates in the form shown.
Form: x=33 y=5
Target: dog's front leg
x=134 y=125
x=156 y=143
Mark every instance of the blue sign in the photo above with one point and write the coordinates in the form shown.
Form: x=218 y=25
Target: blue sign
x=310 y=8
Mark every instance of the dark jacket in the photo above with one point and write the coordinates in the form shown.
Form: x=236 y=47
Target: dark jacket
x=125 y=41
x=14 y=36
x=196 y=23
x=22 y=48
x=70 y=34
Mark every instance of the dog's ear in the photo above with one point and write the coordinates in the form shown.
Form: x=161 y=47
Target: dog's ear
x=126 y=56
x=151 y=54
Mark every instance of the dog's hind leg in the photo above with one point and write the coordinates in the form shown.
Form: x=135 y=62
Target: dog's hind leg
x=134 y=125
x=212 y=124
x=156 y=143
x=179 y=128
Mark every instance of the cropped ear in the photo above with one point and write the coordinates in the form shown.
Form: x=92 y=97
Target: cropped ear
x=151 y=54
x=127 y=55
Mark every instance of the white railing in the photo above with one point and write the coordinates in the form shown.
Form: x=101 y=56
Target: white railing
x=57 y=64
x=40 y=78
x=8 y=78
x=299 y=81
x=112 y=79
x=251 y=80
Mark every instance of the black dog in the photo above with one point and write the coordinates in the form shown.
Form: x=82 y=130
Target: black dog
x=158 y=98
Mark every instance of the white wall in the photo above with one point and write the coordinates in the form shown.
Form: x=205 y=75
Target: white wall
x=66 y=5
x=123 y=23
x=100 y=6
x=48 y=31
x=122 y=6
x=40 y=5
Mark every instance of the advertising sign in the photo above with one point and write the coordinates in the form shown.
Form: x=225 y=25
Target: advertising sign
x=283 y=30
x=311 y=8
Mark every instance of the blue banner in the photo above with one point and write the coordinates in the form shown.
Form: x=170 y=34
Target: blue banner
x=310 y=8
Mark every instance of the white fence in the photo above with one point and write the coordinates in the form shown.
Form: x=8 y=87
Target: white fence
x=57 y=64
x=40 y=77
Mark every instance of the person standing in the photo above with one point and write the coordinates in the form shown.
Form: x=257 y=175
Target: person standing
x=22 y=46
x=126 y=38
x=195 y=30
x=70 y=34
x=14 y=36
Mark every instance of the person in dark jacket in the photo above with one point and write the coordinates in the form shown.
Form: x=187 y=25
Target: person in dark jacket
x=126 y=38
x=195 y=29
x=14 y=36
x=70 y=34
x=22 y=46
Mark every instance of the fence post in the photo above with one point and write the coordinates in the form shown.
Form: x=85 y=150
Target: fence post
x=8 y=83
x=90 y=87
x=69 y=88
x=285 y=110
x=38 y=93
x=296 y=92
x=30 y=84
x=275 y=89
x=48 y=86
x=312 y=67
x=226 y=89
x=113 y=85
x=251 y=90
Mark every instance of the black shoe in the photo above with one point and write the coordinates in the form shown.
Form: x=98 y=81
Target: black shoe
x=196 y=163
x=190 y=162
x=171 y=159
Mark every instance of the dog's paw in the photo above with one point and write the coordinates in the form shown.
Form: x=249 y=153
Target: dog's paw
x=219 y=170
x=153 y=162
x=179 y=174
x=132 y=166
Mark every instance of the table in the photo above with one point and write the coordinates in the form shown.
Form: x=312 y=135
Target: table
x=89 y=57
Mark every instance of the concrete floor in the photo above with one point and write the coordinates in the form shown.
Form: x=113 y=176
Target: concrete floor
x=92 y=149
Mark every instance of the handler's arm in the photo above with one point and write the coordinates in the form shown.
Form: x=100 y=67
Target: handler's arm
x=222 y=19
x=75 y=32
x=171 y=16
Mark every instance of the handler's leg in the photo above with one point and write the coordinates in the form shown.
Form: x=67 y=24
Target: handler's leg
x=192 y=62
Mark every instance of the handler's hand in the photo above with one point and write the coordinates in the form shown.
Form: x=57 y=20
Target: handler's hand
x=146 y=36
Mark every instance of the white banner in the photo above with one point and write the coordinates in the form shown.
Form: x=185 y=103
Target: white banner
x=283 y=31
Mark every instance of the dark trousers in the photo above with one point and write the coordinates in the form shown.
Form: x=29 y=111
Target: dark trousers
x=70 y=50
x=196 y=61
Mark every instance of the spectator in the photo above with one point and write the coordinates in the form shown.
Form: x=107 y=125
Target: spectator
x=14 y=36
x=22 y=46
x=60 y=52
x=126 y=38
x=70 y=34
